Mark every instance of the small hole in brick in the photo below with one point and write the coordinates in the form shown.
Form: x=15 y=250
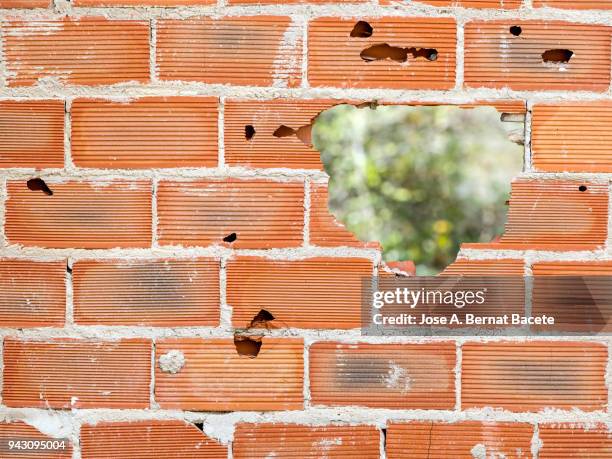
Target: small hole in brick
x=557 y=56
x=283 y=131
x=362 y=30
x=384 y=51
x=249 y=132
x=582 y=188
x=261 y=319
x=247 y=346
x=38 y=184
x=516 y=30
x=199 y=425
x=230 y=237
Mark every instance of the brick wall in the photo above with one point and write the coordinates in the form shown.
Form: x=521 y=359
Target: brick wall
x=147 y=211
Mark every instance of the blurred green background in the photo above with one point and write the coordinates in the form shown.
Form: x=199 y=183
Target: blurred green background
x=420 y=180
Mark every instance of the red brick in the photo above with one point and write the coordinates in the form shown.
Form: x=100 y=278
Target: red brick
x=571 y=440
x=18 y=430
x=264 y=149
x=497 y=267
x=311 y=293
x=495 y=58
x=554 y=215
x=437 y=440
x=32 y=133
x=533 y=375
x=169 y=292
x=573 y=4
x=334 y=56
x=325 y=230
x=25 y=4
x=33 y=293
x=152 y=132
x=216 y=378
x=268 y=440
x=400 y=376
x=86 y=215
x=89 y=51
x=77 y=374
x=148 y=439
x=283 y=2
x=572 y=137
x=249 y=50
x=500 y=4
x=262 y=214
x=127 y=3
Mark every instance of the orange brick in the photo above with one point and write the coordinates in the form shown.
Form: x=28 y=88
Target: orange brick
x=572 y=137
x=284 y=2
x=33 y=293
x=263 y=149
x=17 y=430
x=250 y=50
x=216 y=378
x=334 y=56
x=311 y=293
x=80 y=214
x=437 y=440
x=260 y=441
x=503 y=4
x=530 y=376
x=32 y=133
x=261 y=214
x=400 y=376
x=88 y=51
x=144 y=439
x=496 y=267
x=127 y=3
x=496 y=58
x=325 y=230
x=574 y=4
x=554 y=215
x=168 y=292
x=152 y=132
x=77 y=374
x=25 y=4
x=571 y=440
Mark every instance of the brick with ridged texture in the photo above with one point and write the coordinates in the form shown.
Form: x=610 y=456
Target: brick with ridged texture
x=25 y=3
x=459 y=440
x=153 y=3
x=152 y=132
x=248 y=50
x=573 y=440
x=503 y=4
x=89 y=51
x=574 y=4
x=17 y=430
x=32 y=133
x=90 y=215
x=533 y=375
x=399 y=376
x=334 y=56
x=310 y=293
x=216 y=378
x=554 y=215
x=70 y=373
x=572 y=137
x=497 y=58
x=262 y=214
x=266 y=440
x=148 y=439
x=169 y=292
x=33 y=293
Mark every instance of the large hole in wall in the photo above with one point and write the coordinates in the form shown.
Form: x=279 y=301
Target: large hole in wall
x=420 y=180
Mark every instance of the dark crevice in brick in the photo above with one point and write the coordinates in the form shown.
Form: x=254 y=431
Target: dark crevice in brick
x=261 y=319
x=199 y=425
x=362 y=30
x=303 y=133
x=230 y=237
x=582 y=188
x=249 y=132
x=516 y=30
x=38 y=184
x=384 y=51
x=248 y=346
x=557 y=56
x=68 y=268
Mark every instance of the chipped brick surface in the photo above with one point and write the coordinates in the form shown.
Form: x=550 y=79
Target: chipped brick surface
x=68 y=374
x=437 y=440
x=570 y=440
x=495 y=58
x=409 y=376
x=252 y=441
x=311 y=293
x=152 y=132
x=90 y=51
x=216 y=378
x=80 y=214
x=148 y=439
x=334 y=56
x=256 y=50
x=167 y=292
x=32 y=133
x=531 y=376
